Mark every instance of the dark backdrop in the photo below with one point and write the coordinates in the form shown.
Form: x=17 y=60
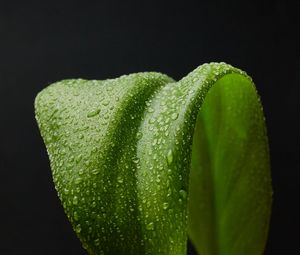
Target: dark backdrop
x=41 y=43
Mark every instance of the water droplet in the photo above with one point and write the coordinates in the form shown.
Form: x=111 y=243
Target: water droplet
x=109 y=88
x=97 y=242
x=154 y=142
x=77 y=180
x=136 y=160
x=75 y=216
x=95 y=171
x=150 y=109
x=174 y=116
x=165 y=206
x=93 y=113
x=78 y=159
x=170 y=157
x=139 y=135
x=151 y=120
x=183 y=193
x=150 y=226
x=78 y=228
x=105 y=102
x=75 y=200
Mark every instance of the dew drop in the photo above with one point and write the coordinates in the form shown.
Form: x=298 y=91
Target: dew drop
x=109 y=88
x=75 y=216
x=105 y=102
x=78 y=228
x=136 y=160
x=75 y=200
x=150 y=109
x=169 y=192
x=150 y=226
x=120 y=179
x=139 y=135
x=182 y=194
x=151 y=120
x=170 y=157
x=93 y=113
x=174 y=116
x=78 y=180
x=165 y=206
x=97 y=242
x=95 y=171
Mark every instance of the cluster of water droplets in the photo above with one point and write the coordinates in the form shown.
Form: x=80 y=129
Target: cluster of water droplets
x=120 y=155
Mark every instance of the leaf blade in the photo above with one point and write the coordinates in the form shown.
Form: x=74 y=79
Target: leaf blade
x=135 y=159
x=240 y=185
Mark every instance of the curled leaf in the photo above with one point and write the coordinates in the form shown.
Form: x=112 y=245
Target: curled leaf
x=140 y=162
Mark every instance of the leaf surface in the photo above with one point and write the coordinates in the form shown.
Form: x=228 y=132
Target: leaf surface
x=140 y=162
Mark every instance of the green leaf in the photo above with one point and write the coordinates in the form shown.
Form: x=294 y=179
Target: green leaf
x=140 y=162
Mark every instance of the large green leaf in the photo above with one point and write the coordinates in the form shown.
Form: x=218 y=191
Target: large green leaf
x=121 y=151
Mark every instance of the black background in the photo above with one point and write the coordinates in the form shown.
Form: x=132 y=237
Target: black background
x=41 y=43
